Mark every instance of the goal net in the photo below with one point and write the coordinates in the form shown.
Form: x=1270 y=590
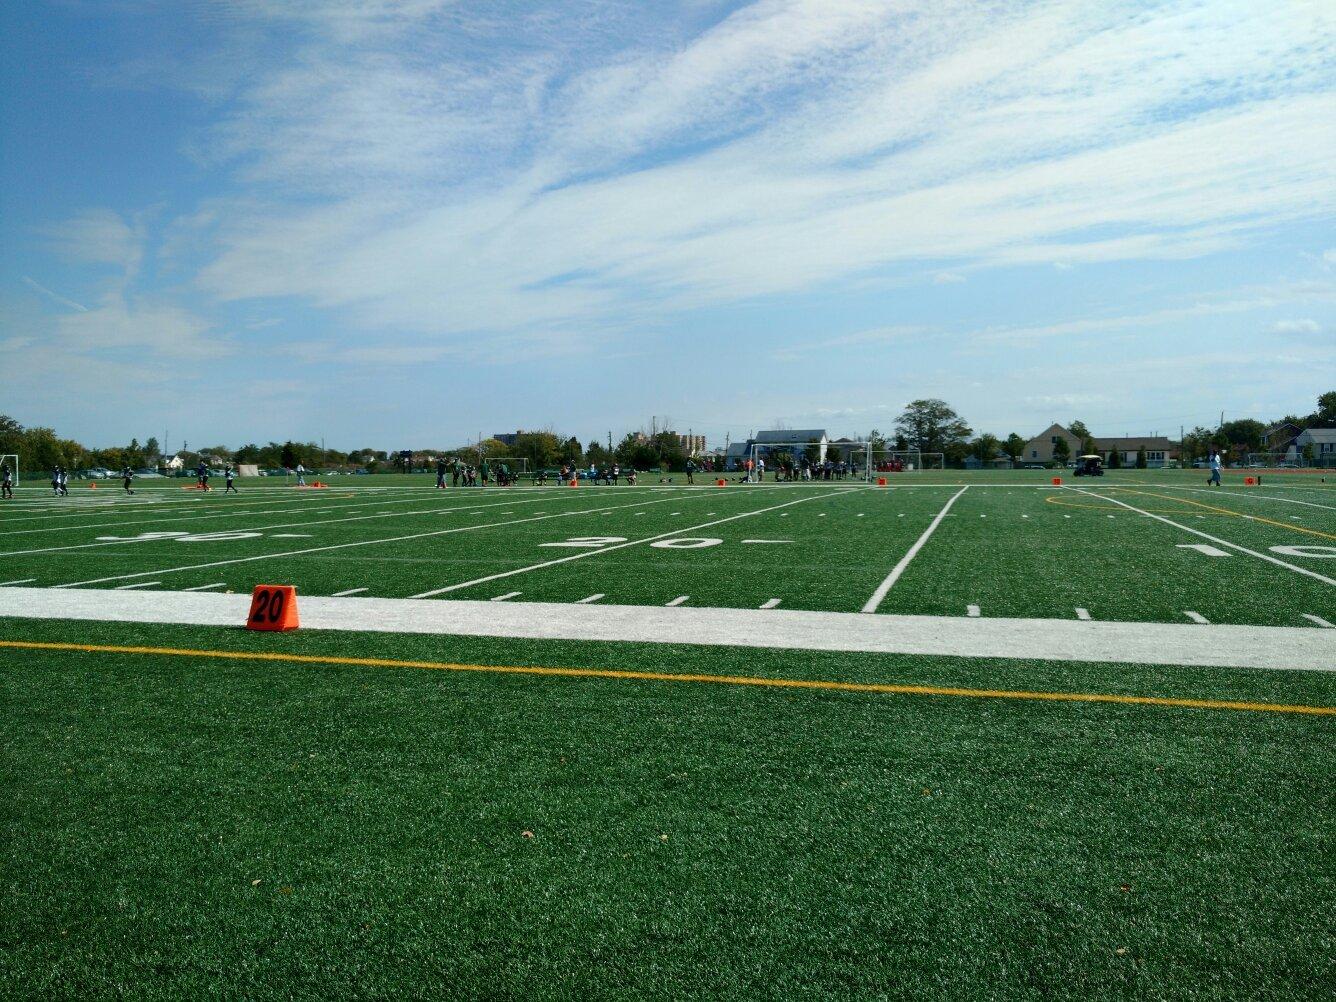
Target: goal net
x=248 y=470
x=881 y=461
x=11 y=460
x=782 y=461
x=1275 y=460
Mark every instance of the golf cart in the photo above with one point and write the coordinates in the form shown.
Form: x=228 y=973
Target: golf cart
x=1090 y=466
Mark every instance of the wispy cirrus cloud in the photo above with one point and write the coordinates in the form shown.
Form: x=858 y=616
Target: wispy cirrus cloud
x=790 y=146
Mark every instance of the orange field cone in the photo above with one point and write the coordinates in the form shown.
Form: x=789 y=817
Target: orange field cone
x=92 y=487
x=721 y=483
x=881 y=481
x=573 y=483
x=273 y=607
x=1249 y=481
x=1057 y=481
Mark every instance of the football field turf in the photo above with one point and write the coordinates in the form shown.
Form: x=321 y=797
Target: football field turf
x=971 y=735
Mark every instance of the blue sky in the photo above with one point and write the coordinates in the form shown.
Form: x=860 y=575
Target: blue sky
x=404 y=223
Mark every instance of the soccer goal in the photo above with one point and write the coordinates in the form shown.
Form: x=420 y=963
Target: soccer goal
x=11 y=459
x=1275 y=460
x=882 y=461
x=781 y=461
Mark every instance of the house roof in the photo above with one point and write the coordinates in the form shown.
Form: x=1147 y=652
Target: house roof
x=1319 y=435
x=737 y=449
x=1049 y=432
x=791 y=435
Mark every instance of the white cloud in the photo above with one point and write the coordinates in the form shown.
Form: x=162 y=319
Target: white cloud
x=791 y=146
x=97 y=236
x=1303 y=326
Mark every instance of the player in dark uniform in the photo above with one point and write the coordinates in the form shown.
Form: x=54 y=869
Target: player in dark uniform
x=440 y=474
x=127 y=475
x=6 y=482
x=230 y=476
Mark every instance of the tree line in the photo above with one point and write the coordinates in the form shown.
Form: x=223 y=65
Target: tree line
x=928 y=425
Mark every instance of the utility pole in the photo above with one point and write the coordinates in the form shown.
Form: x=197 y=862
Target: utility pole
x=609 y=439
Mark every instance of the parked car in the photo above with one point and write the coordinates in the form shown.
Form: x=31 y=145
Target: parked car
x=97 y=473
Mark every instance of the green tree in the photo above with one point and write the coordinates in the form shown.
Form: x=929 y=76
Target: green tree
x=1141 y=458
x=1326 y=409
x=1115 y=459
x=289 y=458
x=1079 y=430
x=932 y=426
x=986 y=447
x=1061 y=451
x=1308 y=454
x=1014 y=447
x=1246 y=435
x=11 y=436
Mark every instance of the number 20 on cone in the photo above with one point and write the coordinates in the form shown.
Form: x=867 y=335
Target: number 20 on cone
x=273 y=607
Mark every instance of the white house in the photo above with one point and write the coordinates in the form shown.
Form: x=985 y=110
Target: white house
x=1323 y=441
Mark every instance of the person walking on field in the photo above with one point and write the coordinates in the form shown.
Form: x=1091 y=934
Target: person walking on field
x=127 y=475
x=6 y=482
x=1215 y=469
x=230 y=476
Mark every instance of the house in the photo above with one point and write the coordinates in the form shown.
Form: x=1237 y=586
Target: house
x=736 y=454
x=1160 y=451
x=1323 y=441
x=1040 y=448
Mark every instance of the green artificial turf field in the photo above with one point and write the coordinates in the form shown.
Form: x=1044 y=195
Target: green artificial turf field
x=996 y=825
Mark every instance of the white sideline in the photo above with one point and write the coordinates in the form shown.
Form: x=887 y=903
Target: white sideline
x=1303 y=648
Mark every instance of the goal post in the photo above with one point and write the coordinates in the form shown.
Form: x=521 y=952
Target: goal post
x=882 y=461
x=11 y=459
x=1275 y=460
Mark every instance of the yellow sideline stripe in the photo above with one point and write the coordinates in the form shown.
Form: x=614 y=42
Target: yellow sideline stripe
x=654 y=676
x=1231 y=511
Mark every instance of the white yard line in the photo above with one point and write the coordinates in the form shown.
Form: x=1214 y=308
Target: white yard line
x=1300 y=648
x=208 y=587
x=1318 y=620
x=588 y=599
x=141 y=584
x=770 y=603
x=973 y=611
x=1082 y=613
x=619 y=546
x=673 y=603
x=507 y=595
x=1260 y=497
x=6 y=584
x=342 y=594
x=879 y=595
x=1214 y=539
x=1196 y=617
x=343 y=546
